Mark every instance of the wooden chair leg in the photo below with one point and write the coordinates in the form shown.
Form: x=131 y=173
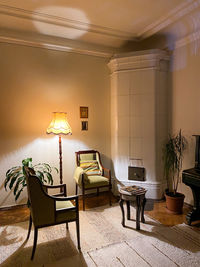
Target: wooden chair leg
x=76 y=189
x=29 y=227
x=34 y=242
x=78 y=234
x=83 y=196
x=67 y=226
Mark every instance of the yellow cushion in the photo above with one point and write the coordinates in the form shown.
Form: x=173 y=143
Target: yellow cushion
x=96 y=180
x=63 y=204
x=62 y=214
x=91 y=167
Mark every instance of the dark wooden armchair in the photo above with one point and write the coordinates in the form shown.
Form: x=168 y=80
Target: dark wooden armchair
x=90 y=174
x=48 y=210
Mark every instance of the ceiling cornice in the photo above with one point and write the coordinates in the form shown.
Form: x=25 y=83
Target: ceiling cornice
x=166 y=20
x=193 y=37
x=139 y=60
x=54 y=46
x=177 y=13
x=64 y=22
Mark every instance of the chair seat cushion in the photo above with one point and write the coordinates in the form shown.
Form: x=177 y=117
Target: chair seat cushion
x=63 y=204
x=62 y=214
x=96 y=181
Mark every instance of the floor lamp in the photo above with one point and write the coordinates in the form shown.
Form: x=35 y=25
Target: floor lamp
x=59 y=125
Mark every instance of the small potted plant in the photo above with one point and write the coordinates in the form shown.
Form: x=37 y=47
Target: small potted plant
x=16 y=179
x=173 y=152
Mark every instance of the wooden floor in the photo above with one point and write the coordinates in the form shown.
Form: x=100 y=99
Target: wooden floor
x=160 y=213
x=157 y=212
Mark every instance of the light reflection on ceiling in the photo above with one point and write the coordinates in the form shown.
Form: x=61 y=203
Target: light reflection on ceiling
x=61 y=29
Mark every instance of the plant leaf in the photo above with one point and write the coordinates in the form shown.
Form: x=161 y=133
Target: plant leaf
x=56 y=169
x=40 y=175
x=19 y=180
x=11 y=172
x=49 y=177
x=18 y=194
x=48 y=167
x=13 y=179
x=27 y=162
x=13 y=169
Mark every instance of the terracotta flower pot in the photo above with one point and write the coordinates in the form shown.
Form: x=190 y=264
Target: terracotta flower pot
x=174 y=204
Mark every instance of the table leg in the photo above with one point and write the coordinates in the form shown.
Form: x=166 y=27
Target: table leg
x=138 y=208
x=128 y=210
x=142 y=211
x=122 y=209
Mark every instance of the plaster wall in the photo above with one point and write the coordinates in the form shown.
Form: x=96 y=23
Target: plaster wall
x=185 y=97
x=34 y=82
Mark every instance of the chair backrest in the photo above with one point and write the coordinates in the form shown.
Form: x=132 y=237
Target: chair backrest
x=41 y=205
x=90 y=161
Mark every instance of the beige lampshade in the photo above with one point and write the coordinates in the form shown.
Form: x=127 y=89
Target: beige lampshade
x=59 y=124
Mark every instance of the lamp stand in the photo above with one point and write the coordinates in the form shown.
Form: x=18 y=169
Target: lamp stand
x=60 y=154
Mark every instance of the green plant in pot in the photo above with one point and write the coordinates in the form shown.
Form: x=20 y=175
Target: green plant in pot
x=16 y=179
x=173 y=152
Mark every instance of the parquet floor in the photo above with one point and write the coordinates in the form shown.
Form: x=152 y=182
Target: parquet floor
x=157 y=212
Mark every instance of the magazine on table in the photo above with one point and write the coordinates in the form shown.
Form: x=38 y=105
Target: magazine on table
x=133 y=190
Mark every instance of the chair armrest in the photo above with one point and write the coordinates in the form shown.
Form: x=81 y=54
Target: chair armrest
x=56 y=198
x=79 y=174
x=63 y=189
x=106 y=173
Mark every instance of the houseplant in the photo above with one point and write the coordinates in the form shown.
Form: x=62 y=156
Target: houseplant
x=173 y=152
x=16 y=180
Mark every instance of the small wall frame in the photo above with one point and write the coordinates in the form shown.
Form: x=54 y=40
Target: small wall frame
x=84 y=125
x=84 y=112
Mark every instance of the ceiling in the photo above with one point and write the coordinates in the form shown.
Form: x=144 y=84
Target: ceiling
x=95 y=25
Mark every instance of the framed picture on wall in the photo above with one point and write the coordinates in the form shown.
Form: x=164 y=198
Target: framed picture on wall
x=83 y=112
x=84 y=125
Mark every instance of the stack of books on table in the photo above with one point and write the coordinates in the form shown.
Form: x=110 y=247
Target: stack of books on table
x=133 y=190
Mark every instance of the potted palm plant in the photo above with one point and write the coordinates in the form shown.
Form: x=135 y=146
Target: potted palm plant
x=173 y=152
x=16 y=179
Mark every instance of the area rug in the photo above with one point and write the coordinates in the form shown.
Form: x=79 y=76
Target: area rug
x=104 y=242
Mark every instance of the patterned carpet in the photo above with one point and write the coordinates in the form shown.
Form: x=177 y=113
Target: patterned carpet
x=104 y=242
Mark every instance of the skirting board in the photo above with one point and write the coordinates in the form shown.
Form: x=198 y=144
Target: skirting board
x=18 y=206
x=155 y=190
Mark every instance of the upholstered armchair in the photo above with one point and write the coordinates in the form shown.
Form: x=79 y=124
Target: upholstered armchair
x=47 y=210
x=90 y=174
